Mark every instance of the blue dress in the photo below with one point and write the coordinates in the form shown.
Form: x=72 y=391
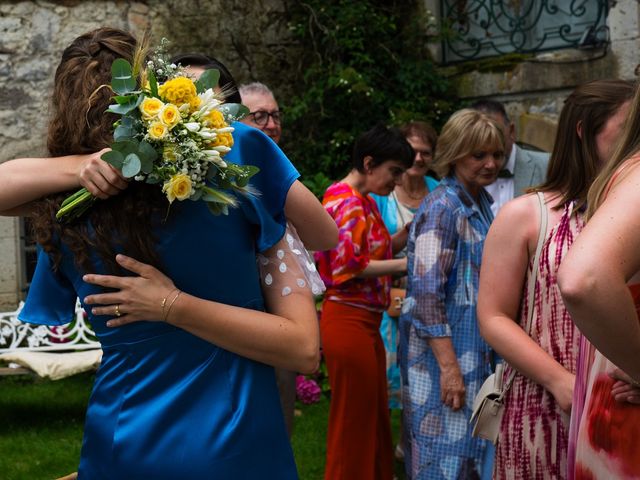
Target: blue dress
x=388 y=206
x=166 y=404
x=444 y=255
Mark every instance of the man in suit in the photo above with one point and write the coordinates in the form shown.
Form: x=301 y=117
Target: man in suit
x=522 y=168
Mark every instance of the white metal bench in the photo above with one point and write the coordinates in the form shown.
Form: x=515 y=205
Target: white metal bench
x=45 y=342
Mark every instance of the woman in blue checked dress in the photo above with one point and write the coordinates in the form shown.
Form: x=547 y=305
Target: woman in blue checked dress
x=443 y=359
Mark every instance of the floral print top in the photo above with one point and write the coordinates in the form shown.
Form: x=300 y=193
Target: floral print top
x=362 y=237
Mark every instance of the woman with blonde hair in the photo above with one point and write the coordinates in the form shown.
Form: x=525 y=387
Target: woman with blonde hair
x=600 y=285
x=543 y=356
x=443 y=359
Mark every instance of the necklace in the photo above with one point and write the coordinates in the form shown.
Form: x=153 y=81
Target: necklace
x=419 y=196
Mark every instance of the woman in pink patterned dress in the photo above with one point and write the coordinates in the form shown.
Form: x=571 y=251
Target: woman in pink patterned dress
x=600 y=284
x=357 y=274
x=534 y=431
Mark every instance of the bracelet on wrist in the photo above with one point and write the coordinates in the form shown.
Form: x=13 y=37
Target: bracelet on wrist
x=166 y=315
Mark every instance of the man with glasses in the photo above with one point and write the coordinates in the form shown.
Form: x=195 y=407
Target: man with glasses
x=264 y=113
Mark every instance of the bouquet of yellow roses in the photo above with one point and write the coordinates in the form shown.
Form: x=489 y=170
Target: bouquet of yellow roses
x=173 y=132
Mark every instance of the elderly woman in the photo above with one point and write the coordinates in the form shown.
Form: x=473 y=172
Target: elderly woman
x=443 y=359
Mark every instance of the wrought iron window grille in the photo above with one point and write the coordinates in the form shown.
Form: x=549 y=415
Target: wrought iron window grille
x=475 y=29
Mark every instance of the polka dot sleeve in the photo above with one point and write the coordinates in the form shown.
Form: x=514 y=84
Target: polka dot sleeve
x=287 y=267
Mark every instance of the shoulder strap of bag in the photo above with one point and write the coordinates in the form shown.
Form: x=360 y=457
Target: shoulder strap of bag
x=531 y=285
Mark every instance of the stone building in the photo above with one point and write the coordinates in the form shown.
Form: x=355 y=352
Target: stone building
x=33 y=35
x=527 y=53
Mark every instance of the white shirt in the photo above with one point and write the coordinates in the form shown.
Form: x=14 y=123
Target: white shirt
x=502 y=189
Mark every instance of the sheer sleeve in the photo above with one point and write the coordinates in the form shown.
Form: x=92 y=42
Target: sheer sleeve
x=287 y=267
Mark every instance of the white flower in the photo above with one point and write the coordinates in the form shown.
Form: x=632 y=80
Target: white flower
x=192 y=126
x=207 y=134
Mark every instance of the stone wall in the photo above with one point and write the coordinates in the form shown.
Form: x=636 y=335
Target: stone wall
x=533 y=90
x=249 y=36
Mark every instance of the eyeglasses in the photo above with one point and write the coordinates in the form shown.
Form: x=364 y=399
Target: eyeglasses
x=261 y=117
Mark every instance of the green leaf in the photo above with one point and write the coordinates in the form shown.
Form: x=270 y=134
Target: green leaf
x=113 y=158
x=248 y=171
x=133 y=102
x=122 y=81
x=147 y=155
x=233 y=111
x=131 y=165
x=209 y=79
x=153 y=83
x=125 y=147
x=124 y=129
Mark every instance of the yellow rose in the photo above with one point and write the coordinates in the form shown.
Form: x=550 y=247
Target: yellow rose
x=169 y=153
x=222 y=139
x=180 y=90
x=150 y=107
x=169 y=115
x=158 y=131
x=178 y=186
x=215 y=119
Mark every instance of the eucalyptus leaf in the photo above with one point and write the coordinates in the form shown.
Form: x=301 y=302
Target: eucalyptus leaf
x=113 y=158
x=208 y=79
x=125 y=147
x=132 y=103
x=153 y=83
x=234 y=111
x=122 y=80
x=122 y=132
x=145 y=150
x=131 y=165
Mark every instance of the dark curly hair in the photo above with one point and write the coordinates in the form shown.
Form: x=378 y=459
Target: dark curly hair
x=79 y=125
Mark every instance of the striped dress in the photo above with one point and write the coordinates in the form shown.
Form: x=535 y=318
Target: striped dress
x=534 y=432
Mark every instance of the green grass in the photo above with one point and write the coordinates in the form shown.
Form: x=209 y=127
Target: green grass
x=41 y=429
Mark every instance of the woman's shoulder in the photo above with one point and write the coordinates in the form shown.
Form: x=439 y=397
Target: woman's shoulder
x=519 y=214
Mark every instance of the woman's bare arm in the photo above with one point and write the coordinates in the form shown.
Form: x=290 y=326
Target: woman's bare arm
x=287 y=337
x=28 y=179
x=316 y=228
x=594 y=275
x=511 y=238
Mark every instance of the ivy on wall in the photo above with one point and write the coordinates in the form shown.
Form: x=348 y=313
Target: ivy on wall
x=364 y=62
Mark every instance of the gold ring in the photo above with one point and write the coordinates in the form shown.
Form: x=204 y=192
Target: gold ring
x=118 y=310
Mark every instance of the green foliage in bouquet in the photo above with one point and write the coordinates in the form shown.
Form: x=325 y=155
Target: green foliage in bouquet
x=174 y=133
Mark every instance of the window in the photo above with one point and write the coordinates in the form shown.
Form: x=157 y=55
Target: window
x=485 y=28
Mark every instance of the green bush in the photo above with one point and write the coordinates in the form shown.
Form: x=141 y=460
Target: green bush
x=364 y=62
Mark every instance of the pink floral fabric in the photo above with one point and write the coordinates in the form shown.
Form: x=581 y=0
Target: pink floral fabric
x=362 y=237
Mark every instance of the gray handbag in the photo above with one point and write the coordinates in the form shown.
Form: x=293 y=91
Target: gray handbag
x=488 y=404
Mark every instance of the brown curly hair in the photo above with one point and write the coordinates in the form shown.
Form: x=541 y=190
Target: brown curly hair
x=80 y=125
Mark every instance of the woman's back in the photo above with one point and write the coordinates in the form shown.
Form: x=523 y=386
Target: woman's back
x=167 y=403
x=534 y=427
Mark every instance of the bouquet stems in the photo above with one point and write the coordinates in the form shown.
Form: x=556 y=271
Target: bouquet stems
x=75 y=205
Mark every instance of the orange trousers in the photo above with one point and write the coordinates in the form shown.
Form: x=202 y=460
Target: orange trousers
x=359 y=444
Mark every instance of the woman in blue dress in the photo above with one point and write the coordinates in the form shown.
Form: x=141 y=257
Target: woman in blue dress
x=443 y=359
x=193 y=395
x=397 y=211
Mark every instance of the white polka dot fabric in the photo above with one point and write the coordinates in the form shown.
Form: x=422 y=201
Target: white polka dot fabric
x=288 y=267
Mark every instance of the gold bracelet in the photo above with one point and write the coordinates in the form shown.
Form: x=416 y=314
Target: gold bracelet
x=164 y=300
x=171 y=305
